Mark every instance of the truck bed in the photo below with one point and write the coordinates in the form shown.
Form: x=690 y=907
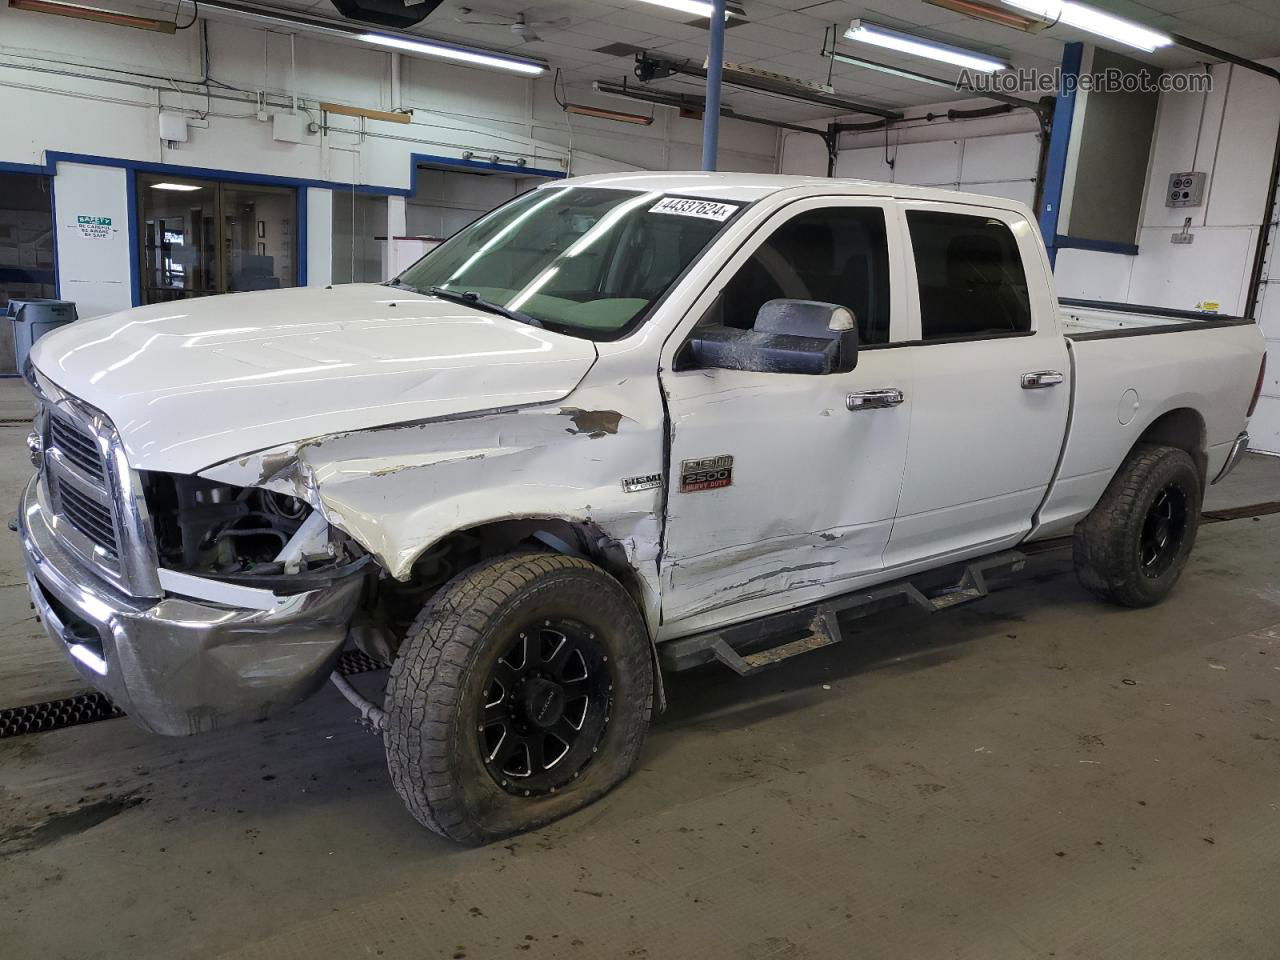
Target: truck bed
x=1120 y=385
x=1098 y=319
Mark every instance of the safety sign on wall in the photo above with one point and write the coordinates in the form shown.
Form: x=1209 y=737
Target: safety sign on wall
x=94 y=228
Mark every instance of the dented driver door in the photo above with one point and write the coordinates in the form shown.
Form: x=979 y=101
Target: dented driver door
x=783 y=487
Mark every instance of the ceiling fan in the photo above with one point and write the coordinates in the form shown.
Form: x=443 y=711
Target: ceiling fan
x=525 y=29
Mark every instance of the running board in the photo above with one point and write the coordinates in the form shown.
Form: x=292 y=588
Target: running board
x=820 y=622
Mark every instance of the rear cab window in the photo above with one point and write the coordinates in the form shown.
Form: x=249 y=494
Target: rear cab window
x=971 y=278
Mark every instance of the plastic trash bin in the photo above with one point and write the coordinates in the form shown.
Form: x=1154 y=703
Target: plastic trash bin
x=32 y=319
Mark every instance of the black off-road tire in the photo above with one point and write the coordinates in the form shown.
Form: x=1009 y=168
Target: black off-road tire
x=437 y=692
x=1108 y=545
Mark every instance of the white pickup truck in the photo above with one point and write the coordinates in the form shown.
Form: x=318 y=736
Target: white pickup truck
x=620 y=424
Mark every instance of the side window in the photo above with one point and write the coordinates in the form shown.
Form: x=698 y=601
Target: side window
x=971 y=279
x=838 y=255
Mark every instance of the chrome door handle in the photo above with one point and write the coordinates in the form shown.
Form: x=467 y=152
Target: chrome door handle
x=874 y=399
x=1041 y=379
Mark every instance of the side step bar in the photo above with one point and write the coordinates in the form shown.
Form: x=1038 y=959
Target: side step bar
x=820 y=622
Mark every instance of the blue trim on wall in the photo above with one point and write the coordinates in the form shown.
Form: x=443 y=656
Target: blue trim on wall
x=301 y=244
x=135 y=240
x=133 y=167
x=54 y=157
x=24 y=168
x=1059 y=140
x=1062 y=242
x=53 y=218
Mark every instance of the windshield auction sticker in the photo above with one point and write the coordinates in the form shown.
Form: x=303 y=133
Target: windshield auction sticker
x=706 y=209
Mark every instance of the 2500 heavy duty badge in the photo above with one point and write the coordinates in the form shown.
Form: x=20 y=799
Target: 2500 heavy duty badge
x=707 y=473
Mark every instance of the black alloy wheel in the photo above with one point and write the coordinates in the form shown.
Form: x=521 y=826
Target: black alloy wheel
x=546 y=706
x=1134 y=544
x=1163 y=531
x=522 y=692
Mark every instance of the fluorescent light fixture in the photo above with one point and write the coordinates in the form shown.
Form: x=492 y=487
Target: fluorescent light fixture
x=864 y=32
x=185 y=187
x=431 y=48
x=78 y=12
x=699 y=8
x=1096 y=22
x=88 y=658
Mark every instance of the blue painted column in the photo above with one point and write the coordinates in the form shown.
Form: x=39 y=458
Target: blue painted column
x=715 y=62
x=1059 y=139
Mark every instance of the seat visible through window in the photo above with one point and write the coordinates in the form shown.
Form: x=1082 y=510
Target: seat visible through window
x=836 y=255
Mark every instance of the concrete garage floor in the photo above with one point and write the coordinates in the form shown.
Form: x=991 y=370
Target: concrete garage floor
x=1033 y=775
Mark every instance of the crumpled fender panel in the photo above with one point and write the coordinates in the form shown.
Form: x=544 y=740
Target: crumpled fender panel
x=398 y=490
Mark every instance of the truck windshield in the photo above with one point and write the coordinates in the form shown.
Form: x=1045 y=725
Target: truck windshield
x=585 y=261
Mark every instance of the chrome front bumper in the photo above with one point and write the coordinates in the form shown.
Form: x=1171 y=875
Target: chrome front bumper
x=1238 y=450
x=180 y=666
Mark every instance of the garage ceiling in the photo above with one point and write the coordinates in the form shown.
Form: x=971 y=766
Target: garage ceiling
x=785 y=36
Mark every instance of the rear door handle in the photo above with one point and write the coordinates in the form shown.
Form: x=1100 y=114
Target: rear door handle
x=874 y=399
x=1041 y=379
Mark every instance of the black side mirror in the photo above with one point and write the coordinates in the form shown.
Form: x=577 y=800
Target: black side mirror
x=790 y=336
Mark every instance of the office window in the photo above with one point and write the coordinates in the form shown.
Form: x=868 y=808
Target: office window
x=970 y=273
x=201 y=237
x=835 y=255
x=26 y=237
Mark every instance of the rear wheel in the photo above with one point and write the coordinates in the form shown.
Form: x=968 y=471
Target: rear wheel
x=1133 y=546
x=523 y=692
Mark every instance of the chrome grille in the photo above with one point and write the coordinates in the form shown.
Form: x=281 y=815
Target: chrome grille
x=95 y=501
x=90 y=518
x=78 y=446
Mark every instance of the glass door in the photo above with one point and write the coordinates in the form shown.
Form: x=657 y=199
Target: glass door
x=201 y=237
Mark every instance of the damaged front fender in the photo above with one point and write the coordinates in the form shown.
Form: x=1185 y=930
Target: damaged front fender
x=398 y=490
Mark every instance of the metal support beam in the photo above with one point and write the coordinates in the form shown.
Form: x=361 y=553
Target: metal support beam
x=688 y=102
x=715 y=68
x=1056 y=161
x=656 y=66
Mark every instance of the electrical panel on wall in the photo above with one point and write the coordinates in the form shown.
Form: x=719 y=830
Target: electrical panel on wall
x=1185 y=190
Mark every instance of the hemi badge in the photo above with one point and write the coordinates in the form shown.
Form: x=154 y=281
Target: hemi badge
x=649 y=481
x=709 y=473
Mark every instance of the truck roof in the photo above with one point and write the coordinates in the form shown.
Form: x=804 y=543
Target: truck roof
x=753 y=186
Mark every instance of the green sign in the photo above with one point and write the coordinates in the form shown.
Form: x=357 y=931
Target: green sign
x=94 y=228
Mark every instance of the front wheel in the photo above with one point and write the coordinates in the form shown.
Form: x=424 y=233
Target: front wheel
x=522 y=692
x=1133 y=546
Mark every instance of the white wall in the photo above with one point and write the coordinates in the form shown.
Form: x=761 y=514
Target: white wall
x=107 y=107
x=445 y=201
x=997 y=156
x=1229 y=134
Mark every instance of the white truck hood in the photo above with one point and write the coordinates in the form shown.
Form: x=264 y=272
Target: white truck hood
x=195 y=382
